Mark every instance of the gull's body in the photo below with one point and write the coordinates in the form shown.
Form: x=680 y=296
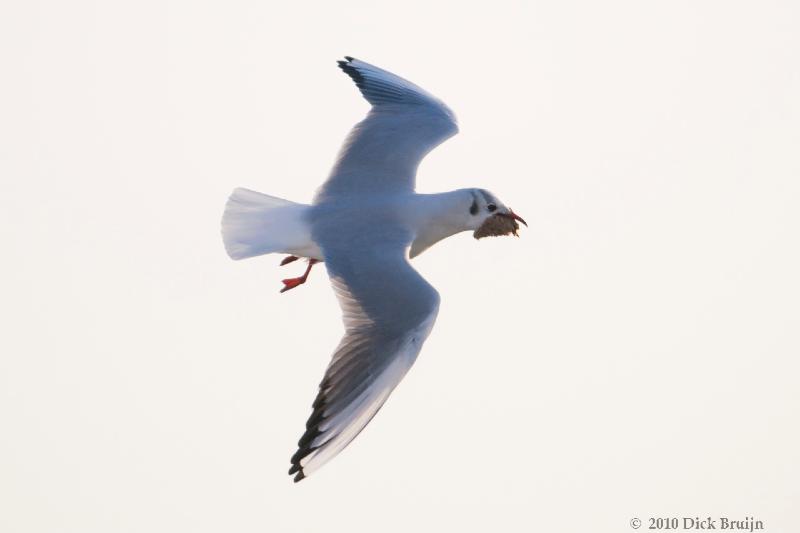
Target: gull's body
x=365 y=222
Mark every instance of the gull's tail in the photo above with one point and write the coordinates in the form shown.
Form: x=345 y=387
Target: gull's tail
x=256 y=224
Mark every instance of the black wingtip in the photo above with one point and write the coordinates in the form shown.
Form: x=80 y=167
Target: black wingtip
x=351 y=71
x=304 y=444
x=298 y=470
x=345 y=62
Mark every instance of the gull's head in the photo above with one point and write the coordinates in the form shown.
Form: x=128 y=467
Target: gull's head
x=489 y=217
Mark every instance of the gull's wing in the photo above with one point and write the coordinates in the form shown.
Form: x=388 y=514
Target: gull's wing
x=382 y=152
x=388 y=311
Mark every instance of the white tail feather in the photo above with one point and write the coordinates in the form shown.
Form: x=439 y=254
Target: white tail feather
x=256 y=224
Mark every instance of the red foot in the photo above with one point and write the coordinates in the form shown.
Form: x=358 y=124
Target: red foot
x=291 y=283
x=289 y=259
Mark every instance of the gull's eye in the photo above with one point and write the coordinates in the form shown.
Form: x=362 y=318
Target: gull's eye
x=492 y=208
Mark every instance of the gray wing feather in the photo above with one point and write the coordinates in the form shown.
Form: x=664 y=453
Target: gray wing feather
x=388 y=311
x=383 y=151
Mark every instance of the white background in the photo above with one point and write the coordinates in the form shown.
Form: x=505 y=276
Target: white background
x=633 y=354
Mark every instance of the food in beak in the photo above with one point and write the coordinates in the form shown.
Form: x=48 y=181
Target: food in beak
x=499 y=224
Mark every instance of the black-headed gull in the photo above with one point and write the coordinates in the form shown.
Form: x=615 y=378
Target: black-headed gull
x=365 y=223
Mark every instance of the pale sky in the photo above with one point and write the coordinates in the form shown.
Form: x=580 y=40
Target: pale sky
x=633 y=354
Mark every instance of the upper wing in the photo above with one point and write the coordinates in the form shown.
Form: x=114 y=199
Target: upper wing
x=382 y=152
x=388 y=311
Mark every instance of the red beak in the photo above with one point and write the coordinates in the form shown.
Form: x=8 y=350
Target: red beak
x=512 y=214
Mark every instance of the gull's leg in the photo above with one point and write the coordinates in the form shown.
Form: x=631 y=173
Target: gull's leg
x=289 y=259
x=291 y=283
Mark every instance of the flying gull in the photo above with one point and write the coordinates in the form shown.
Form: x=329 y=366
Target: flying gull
x=365 y=223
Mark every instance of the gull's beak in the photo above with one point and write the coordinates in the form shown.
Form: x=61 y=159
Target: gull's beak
x=511 y=214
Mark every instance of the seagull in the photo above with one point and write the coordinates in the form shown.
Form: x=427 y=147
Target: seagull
x=365 y=223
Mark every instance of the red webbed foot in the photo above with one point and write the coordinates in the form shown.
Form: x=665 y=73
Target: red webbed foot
x=291 y=283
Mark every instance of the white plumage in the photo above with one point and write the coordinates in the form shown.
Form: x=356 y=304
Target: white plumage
x=363 y=223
